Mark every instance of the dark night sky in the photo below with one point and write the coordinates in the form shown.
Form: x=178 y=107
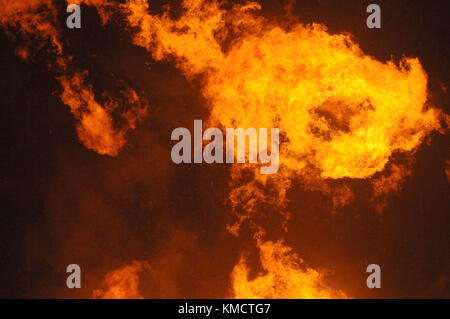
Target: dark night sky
x=62 y=203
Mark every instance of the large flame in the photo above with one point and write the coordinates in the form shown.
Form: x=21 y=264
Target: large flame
x=341 y=113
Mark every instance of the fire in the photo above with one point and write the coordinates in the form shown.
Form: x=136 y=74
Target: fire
x=383 y=184
x=284 y=278
x=447 y=170
x=122 y=283
x=95 y=129
x=341 y=114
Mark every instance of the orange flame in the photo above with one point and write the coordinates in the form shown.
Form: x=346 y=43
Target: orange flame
x=284 y=277
x=383 y=184
x=447 y=170
x=96 y=130
x=122 y=283
x=342 y=112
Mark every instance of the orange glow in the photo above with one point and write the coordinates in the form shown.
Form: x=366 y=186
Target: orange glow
x=21 y=14
x=104 y=8
x=447 y=170
x=284 y=277
x=342 y=196
x=122 y=283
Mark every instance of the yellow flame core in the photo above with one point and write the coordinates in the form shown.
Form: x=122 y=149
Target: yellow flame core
x=341 y=111
x=96 y=129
